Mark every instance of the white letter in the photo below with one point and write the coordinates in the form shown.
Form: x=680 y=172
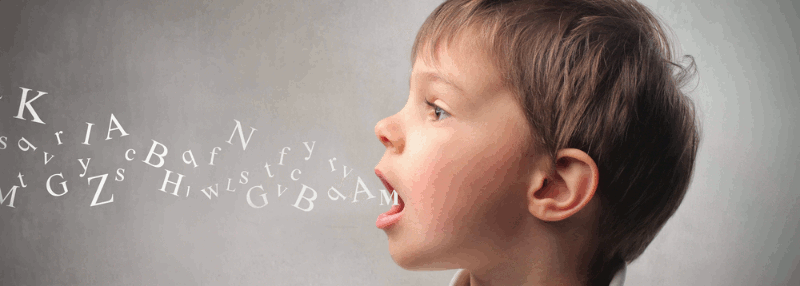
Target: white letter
x=213 y=152
x=120 y=175
x=20 y=180
x=177 y=184
x=363 y=186
x=266 y=166
x=88 y=132
x=23 y=103
x=346 y=172
x=3 y=141
x=338 y=194
x=241 y=134
x=28 y=145
x=244 y=175
x=85 y=165
x=310 y=149
x=292 y=175
x=228 y=188
x=12 y=192
x=191 y=158
x=281 y=192
x=283 y=153
x=213 y=191
x=388 y=199
x=58 y=136
x=310 y=200
x=99 y=189
x=126 y=154
x=116 y=127
x=263 y=196
x=153 y=152
x=45 y=157
x=331 y=160
x=63 y=185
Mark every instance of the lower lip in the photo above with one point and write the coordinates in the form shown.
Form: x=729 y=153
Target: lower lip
x=392 y=216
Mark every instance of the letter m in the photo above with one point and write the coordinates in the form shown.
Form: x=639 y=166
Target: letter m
x=11 y=192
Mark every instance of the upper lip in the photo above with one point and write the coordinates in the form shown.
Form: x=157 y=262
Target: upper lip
x=389 y=187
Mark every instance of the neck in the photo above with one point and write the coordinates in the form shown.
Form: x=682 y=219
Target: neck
x=548 y=254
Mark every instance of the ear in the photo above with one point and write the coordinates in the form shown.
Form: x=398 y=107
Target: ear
x=567 y=190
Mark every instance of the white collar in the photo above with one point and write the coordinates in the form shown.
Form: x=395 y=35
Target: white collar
x=619 y=277
x=462 y=277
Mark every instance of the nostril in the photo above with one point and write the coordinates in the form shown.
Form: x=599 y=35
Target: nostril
x=385 y=141
x=380 y=131
x=390 y=133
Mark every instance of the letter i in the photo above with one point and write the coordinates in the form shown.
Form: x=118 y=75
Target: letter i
x=88 y=132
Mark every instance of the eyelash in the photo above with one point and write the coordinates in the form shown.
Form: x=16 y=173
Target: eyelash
x=438 y=111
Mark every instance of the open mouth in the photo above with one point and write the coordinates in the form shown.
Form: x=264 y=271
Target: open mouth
x=395 y=212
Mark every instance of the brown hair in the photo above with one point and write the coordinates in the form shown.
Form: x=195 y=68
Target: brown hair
x=599 y=76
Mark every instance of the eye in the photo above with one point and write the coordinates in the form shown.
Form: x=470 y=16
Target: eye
x=438 y=111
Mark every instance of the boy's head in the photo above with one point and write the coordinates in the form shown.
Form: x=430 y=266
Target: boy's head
x=549 y=123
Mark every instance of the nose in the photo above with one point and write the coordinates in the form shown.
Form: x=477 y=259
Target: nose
x=390 y=133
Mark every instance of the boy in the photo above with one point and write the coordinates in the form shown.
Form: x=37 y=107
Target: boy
x=544 y=142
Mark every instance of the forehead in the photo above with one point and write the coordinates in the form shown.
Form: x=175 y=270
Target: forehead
x=461 y=61
x=467 y=41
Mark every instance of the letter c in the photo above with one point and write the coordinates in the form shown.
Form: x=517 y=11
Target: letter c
x=298 y=172
x=126 y=154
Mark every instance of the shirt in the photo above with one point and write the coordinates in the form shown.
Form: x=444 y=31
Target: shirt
x=462 y=278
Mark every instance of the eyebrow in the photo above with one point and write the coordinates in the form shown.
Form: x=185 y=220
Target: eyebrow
x=432 y=76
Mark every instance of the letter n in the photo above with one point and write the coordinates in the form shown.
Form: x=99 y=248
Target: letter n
x=241 y=134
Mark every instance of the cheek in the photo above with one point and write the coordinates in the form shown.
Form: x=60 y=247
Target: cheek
x=433 y=172
x=455 y=185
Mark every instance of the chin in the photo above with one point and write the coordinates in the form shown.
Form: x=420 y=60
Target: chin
x=407 y=262
x=416 y=264
x=404 y=255
x=414 y=258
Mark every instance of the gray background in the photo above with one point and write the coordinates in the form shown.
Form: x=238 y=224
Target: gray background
x=180 y=72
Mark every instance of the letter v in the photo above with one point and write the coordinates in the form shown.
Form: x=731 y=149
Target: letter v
x=47 y=160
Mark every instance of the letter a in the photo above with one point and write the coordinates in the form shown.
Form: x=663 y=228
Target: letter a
x=114 y=121
x=361 y=184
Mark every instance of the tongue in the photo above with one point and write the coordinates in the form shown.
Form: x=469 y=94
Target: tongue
x=393 y=215
x=396 y=208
